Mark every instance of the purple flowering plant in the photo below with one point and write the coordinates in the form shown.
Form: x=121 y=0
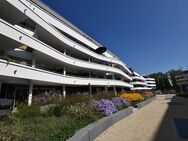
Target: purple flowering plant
x=105 y=106
x=120 y=103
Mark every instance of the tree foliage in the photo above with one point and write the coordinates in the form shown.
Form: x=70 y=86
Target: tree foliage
x=163 y=79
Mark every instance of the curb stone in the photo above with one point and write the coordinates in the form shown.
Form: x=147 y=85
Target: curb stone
x=90 y=132
x=144 y=103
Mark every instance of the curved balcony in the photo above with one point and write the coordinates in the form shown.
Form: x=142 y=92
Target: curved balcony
x=15 y=70
x=140 y=83
x=150 y=82
x=59 y=36
x=138 y=78
x=141 y=88
x=15 y=34
x=151 y=85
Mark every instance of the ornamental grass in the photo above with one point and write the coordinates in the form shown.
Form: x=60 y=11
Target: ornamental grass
x=131 y=97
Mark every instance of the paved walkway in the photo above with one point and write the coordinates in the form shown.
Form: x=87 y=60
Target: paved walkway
x=154 y=122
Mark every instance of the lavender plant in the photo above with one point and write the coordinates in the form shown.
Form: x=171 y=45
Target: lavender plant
x=120 y=103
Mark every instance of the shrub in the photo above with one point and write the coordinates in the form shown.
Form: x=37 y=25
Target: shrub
x=83 y=111
x=25 y=111
x=105 y=106
x=100 y=96
x=10 y=129
x=73 y=99
x=120 y=103
x=132 y=96
x=56 y=110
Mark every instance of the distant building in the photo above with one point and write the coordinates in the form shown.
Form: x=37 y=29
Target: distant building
x=142 y=83
x=182 y=81
x=150 y=83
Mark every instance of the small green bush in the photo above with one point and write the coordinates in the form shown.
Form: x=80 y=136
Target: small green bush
x=54 y=111
x=25 y=111
x=134 y=103
x=10 y=129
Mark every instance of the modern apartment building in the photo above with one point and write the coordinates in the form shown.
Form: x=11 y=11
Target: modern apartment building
x=150 y=82
x=182 y=81
x=39 y=50
x=139 y=82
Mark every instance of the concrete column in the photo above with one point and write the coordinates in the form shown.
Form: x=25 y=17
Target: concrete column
x=115 y=90
x=89 y=59
x=31 y=83
x=64 y=91
x=122 y=88
x=33 y=59
x=114 y=87
x=65 y=52
x=181 y=89
x=90 y=89
x=14 y=101
x=0 y=86
x=30 y=93
x=105 y=87
x=89 y=74
x=64 y=70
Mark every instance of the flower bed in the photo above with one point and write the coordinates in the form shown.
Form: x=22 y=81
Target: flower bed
x=132 y=97
x=60 y=121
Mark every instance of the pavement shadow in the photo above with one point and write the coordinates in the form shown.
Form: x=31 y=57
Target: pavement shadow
x=174 y=125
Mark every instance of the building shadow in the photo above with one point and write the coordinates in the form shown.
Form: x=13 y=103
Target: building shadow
x=174 y=125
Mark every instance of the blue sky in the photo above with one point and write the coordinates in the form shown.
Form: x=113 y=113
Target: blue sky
x=148 y=35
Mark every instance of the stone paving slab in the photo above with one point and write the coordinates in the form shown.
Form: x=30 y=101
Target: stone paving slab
x=154 y=122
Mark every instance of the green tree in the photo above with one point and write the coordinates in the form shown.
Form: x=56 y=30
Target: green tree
x=162 y=79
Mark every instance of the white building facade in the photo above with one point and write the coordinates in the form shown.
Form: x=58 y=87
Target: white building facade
x=150 y=82
x=40 y=49
x=139 y=82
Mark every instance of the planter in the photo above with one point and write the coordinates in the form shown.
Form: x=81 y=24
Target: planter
x=90 y=132
x=144 y=103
